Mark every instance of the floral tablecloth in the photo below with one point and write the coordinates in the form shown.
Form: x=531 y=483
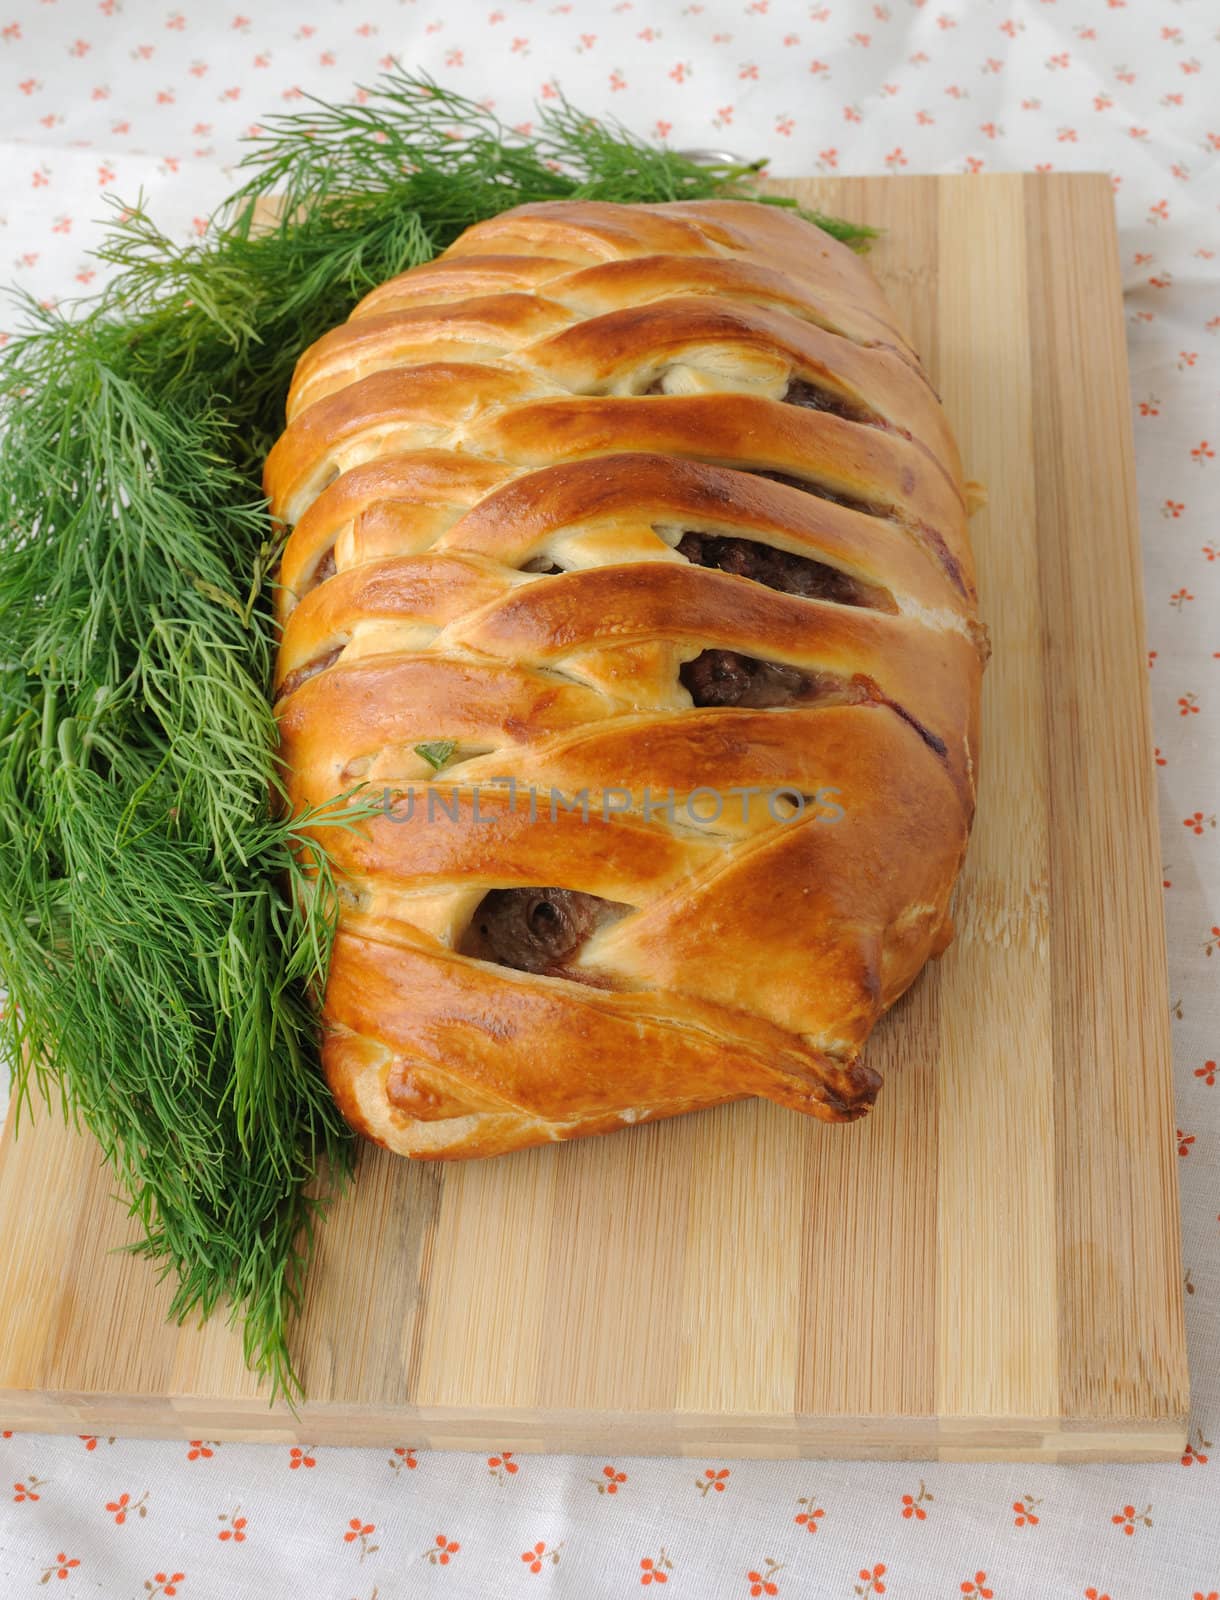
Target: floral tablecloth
x=136 y=94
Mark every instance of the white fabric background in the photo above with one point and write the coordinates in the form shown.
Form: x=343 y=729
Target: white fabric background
x=132 y=94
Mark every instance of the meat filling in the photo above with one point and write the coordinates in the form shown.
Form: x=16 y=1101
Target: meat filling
x=802 y=393
x=325 y=569
x=538 y=930
x=294 y=680
x=868 y=507
x=727 y=678
x=934 y=539
x=779 y=569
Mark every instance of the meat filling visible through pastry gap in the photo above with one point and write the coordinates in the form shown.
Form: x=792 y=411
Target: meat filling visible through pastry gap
x=538 y=930
x=782 y=570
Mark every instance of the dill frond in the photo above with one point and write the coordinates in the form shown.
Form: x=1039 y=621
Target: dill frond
x=165 y=926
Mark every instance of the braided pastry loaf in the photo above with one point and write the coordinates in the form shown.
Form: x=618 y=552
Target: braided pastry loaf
x=625 y=501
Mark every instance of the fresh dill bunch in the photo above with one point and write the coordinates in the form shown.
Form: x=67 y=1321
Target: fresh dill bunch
x=161 y=925
x=166 y=926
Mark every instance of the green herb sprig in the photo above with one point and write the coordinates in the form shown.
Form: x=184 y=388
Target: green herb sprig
x=164 y=926
x=437 y=753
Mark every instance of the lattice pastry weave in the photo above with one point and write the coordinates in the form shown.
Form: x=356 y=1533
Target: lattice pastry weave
x=632 y=502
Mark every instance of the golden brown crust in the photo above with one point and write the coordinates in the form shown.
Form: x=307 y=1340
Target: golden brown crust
x=536 y=487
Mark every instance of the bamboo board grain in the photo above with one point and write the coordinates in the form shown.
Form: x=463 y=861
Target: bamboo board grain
x=988 y=1267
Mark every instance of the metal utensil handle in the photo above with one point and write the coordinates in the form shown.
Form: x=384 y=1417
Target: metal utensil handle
x=713 y=158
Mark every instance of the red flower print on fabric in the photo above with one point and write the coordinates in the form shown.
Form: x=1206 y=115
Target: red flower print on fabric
x=125 y=1506
x=655 y=1569
x=1128 y=1518
x=443 y=1551
x=763 y=1583
x=913 y=1505
x=713 y=1478
x=1197 y=1452
x=1023 y=1512
x=541 y=1552
x=59 y=1568
x=235 y=1527
x=165 y=1583
x=359 y=1530
x=810 y=1516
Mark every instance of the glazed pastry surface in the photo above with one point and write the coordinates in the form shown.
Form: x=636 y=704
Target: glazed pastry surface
x=629 y=571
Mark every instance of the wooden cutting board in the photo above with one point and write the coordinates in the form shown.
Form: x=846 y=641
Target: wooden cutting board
x=988 y=1266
